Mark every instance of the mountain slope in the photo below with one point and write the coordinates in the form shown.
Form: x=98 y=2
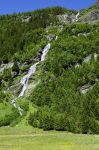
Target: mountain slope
x=63 y=87
x=68 y=89
x=90 y=14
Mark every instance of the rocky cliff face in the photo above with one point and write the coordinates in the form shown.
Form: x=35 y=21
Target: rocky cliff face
x=66 y=18
x=88 y=15
x=91 y=16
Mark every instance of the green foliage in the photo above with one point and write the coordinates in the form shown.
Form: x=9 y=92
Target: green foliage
x=23 y=103
x=15 y=67
x=62 y=106
x=7 y=75
x=2 y=96
x=17 y=35
x=7 y=115
x=60 y=122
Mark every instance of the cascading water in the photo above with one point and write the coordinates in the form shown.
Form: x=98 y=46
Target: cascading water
x=45 y=51
x=25 y=79
x=77 y=16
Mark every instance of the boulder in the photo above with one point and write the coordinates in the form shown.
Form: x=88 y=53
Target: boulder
x=51 y=37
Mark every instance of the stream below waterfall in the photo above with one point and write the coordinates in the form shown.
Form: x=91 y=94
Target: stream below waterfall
x=24 y=81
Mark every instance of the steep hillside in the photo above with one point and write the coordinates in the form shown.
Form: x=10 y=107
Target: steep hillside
x=90 y=14
x=49 y=72
x=25 y=31
x=68 y=94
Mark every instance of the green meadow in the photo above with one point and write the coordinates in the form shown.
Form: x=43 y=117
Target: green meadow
x=28 y=138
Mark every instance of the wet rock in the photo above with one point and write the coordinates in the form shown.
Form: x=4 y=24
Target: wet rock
x=38 y=57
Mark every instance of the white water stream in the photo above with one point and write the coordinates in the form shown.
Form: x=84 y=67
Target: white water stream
x=77 y=16
x=25 y=79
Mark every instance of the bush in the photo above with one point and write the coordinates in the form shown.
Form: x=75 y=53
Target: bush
x=10 y=114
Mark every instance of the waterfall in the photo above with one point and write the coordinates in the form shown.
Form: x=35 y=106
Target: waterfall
x=45 y=51
x=77 y=16
x=24 y=81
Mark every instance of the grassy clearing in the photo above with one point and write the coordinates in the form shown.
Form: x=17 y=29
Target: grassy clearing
x=25 y=137
x=28 y=138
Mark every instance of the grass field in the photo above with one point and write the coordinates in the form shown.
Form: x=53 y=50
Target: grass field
x=28 y=138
